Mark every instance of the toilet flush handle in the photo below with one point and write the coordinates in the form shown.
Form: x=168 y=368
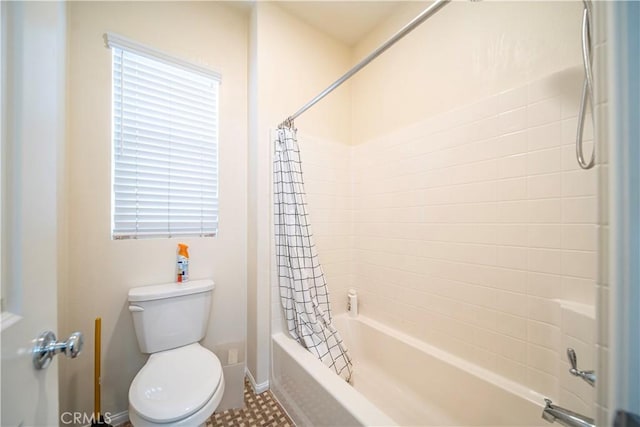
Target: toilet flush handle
x=133 y=308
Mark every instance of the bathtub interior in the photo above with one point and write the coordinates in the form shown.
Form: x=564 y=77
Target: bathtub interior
x=406 y=381
x=417 y=384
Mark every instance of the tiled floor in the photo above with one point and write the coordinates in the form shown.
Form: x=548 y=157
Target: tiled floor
x=260 y=410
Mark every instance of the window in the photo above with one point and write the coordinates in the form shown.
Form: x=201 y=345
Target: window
x=165 y=144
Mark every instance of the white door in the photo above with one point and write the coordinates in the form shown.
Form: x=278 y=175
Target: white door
x=33 y=77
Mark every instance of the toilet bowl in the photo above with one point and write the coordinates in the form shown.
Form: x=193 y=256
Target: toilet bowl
x=182 y=382
x=179 y=387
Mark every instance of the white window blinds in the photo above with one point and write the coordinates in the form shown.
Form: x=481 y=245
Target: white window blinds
x=165 y=148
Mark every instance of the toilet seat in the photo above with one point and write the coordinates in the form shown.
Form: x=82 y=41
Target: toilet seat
x=174 y=384
x=199 y=418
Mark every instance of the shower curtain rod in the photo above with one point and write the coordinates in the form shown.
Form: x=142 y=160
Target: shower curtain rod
x=423 y=16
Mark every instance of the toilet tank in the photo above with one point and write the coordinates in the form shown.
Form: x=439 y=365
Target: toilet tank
x=170 y=315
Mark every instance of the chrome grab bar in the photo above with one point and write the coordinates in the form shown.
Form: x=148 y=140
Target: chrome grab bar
x=587 y=90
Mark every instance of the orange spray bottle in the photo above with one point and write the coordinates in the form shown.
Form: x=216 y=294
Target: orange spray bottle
x=183 y=263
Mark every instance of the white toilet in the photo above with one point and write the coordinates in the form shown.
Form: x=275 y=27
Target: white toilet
x=181 y=384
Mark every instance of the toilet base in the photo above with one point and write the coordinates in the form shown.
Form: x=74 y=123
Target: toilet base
x=198 y=418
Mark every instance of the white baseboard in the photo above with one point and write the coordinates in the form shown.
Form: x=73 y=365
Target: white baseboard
x=257 y=388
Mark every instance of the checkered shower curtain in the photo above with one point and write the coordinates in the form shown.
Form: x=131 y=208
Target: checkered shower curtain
x=303 y=289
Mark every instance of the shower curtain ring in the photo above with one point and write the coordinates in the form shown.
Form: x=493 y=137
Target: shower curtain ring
x=287 y=123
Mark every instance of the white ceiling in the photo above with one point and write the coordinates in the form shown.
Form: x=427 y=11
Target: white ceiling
x=346 y=21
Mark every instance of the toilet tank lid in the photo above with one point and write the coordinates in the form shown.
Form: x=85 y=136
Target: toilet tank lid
x=169 y=290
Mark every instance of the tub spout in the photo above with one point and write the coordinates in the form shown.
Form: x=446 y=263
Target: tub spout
x=553 y=413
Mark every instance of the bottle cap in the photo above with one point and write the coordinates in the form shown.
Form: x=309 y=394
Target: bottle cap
x=183 y=250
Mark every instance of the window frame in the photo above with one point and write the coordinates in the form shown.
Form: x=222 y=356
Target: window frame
x=114 y=41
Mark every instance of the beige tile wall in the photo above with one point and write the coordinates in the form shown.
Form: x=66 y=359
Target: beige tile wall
x=471 y=225
x=329 y=195
x=474 y=230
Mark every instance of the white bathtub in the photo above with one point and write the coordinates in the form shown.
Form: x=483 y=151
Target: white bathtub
x=398 y=380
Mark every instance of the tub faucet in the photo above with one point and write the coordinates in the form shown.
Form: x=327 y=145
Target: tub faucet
x=553 y=413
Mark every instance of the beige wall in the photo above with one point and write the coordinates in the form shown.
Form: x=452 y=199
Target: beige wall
x=465 y=52
x=100 y=270
x=293 y=62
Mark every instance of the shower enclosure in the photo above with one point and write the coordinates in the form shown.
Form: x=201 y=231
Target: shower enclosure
x=469 y=230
